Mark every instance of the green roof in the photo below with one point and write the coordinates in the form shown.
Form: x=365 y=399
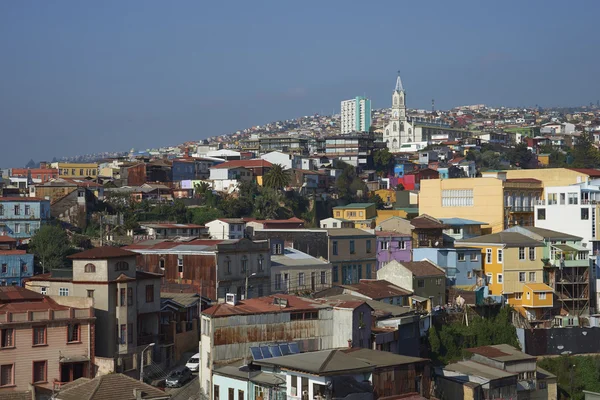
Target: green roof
x=355 y=205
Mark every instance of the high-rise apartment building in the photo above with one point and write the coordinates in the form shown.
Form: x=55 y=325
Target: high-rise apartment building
x=356 y=115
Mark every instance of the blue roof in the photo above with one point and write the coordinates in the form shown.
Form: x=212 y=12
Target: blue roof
x=461 y=221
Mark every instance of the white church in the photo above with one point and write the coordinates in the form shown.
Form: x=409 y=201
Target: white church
x=402 y=130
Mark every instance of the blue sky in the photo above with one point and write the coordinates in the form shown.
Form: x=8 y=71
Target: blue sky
x=81 y=77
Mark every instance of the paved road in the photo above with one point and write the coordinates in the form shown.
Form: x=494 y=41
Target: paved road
x=190 y=391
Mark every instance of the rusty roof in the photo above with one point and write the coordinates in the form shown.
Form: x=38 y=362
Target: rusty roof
x=102 y=253
x=425 y=221
x=12 y=252
x=377 y=289
x=16 y=293
x=257 y=163
x=7 y=239
x=264 y=305
x=423 y=268
x=501 y=352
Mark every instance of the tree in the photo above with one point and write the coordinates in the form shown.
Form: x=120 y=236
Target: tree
x=383 y=160
x=201 y=188
x=375 y=198
x=585 y=154
x=277 y=177
x=202 y=215
x=50 y=245
x=267 y=205
x=521 y=156
x=456 y=172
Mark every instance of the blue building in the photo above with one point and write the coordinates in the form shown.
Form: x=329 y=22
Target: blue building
x=21 y=217
x=191 y=169
x=15 y=265
x=461 y=264
x=461 y=228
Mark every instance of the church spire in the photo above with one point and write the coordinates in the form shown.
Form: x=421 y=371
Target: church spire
x=399 y=87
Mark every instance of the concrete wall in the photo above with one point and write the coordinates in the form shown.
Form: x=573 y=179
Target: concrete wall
x=395 y=273
x=225 y=383
x=186 y=340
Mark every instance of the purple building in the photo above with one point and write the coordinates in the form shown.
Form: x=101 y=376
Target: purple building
x=392 y=246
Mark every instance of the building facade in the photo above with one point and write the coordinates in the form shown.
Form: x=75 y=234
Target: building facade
x=76 y=170
x=392 y=246
x=355 y=115
x=21 y=217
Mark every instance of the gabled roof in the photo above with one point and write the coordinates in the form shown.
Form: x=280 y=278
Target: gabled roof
x=508 y=239
x=594 y=173
x=18 y=294
x=425 y=221
x=264 y=305
x=423 y=268
x=550 y=234
x=102 y=253
x=257 y=163
x=539 y=287
x=109 y=387
x=377 y=289
x=501 y=352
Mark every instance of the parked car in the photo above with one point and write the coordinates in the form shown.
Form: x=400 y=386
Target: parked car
x=194 y=363
x=178 y=377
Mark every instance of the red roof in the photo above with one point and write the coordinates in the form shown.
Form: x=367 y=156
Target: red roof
x=7 y=239
x=16 y=293
x=169 y=244
x=264 y=305
x=12 y=252
x=425 y=221
x=23 y=199
x=588 y=171
x=102 y=253
x=174 y=226
x=256 y=163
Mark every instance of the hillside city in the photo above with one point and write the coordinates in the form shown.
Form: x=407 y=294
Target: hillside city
x=375 y=253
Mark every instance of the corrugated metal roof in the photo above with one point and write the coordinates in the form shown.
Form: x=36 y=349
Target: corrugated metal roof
x=102 y=253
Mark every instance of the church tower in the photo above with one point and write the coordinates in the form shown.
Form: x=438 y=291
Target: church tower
x=399 y=102
x=399 y=129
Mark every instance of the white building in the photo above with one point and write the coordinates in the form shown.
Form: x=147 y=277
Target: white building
x=356 y=115
x=226 y=228
x=571 y=209
x=335 y=223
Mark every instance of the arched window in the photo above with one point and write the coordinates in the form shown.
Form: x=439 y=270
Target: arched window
x=394 y=128
x=387 y=132
x=89 y=268
x=395 y=100
x=401 y=126
x=122 y=266
x=244 y=264
x=261 y=261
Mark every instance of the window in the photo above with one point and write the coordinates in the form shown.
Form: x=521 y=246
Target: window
x=352 y=250
x=521 y=253
x=130 y=333
x=532 y=253
x=457 y=198
x=123 y=335
x=488 y=256
x=368 y=246
x=17 y=209
x=438 y=281
x=90 y=294
x=73 y=333
x=261 y=261
x=1 y=209
x=27 y=228
x=460 y=256
x=334 y=272
x=89 y=268
x=334 y=224
x=216 y=392
x=244 y=264
x=518 y=295
x=521 y=276
x=301 y=279
x=541 y=214
x=585 y=213
x=532 y=277
x=44 y=290
x=421 y=283
x=500 y=278
x=149 y=293
x=542 y=385
x=369 y=271
x=383 y=245
x=63 y=291
x=122 y=266
x=240 y=394
x=39 y=335
x=401 y=244
x=129 y=296
x=563 y=198
x=180 y=265
x=473 y=257
x=542 y=296
x=456 y=231
x=231 y=394
x=123 y=294
x=277 y=281
x=490 y=278
x=334 y=246
x=4 y=268
x=469 y=274
x=528 y=295
x=17 y=228
x=7 y=338
x=6 y=375
x=323 y=277
x=161 y=263
x=27 y=209
x=278 y=249
x=572 y=197
x=500 y=255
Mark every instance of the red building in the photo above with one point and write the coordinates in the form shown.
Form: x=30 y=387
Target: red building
x=43 y=174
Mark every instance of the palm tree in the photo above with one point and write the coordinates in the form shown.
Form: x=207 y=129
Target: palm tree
x=201 y=188
x=277 y=178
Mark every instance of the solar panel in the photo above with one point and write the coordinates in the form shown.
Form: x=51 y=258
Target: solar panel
x=256 y=353
x=294 y=348
x=285 y=349
x=266 y=353
x=275 y=350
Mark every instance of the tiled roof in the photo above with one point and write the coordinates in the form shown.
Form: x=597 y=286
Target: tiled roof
x=17 y=293
x=102 y=253
x=110 y=387
x=7 y=239
x=423 y=268
x=263 y=305
x=257 y=163
x=354 y=205
x=377 y=289
x=427 y=222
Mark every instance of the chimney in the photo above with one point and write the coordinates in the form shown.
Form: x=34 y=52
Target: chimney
x=231 y=299
x=139 y=394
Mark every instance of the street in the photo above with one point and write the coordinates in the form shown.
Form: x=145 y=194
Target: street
x=190 y=391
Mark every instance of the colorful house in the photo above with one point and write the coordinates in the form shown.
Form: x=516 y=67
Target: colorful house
x=361 y=214
x=21 y=217
x=76 y=170
x=511 y=261
x=15 y=265
x=392 y=246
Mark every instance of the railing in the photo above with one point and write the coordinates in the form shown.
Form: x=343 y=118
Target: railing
x=520 y=208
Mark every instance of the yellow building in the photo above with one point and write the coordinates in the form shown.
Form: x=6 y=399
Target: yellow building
x=553 y=176
x=382 y=215
x=544 y=159
x=361 y=214
x=513 y=268
x=76 y=170
x=387 y=195
x=500 y=202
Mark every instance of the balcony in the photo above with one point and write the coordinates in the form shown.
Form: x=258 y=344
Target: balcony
x=519 y=208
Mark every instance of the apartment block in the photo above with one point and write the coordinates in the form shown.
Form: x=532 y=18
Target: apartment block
x=21 y=217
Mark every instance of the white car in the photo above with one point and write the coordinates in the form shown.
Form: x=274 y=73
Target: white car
x=194 y=362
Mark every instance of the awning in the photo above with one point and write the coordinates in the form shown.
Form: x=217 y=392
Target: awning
x=570 y=247
x=73 y=359
x=419 y=299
